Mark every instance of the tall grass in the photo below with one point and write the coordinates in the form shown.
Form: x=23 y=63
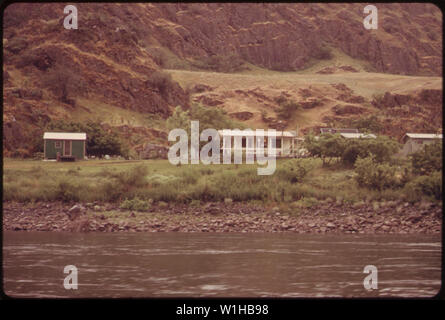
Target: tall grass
x=293 y=180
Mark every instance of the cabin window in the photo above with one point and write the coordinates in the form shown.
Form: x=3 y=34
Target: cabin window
x=58 y=144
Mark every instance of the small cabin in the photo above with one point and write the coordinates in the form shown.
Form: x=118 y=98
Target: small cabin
x=413 y=142
x=62 y=146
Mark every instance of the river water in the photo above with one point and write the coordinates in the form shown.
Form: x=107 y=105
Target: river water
x=220 y=264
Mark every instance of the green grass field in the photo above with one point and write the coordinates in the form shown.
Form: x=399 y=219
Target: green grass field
x=299 y=181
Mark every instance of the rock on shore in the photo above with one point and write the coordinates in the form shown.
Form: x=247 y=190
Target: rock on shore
x=388 y=217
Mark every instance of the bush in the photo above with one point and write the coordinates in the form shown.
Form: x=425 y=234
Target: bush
x=135 y=177
x=26 y=59
x=17 y=44
x=428 y=160
x=161 y=80
x=287 y=109
x=306 y=202
x=425 y=185
x=229 y=63
x=64 y=83
x=135 y=204
x=294 y=170
x=378 y=99
x=323 y=53
x=374 y=175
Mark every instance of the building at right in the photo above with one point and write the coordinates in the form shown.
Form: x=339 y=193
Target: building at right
x=413 y=142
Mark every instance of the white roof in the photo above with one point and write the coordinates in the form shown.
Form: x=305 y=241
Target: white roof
x=64 y=136
x=424 y=135
x=252 y=133
x=357 y=135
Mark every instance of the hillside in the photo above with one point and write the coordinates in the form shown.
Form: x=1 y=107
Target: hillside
x=336 y=99
x=129 y=65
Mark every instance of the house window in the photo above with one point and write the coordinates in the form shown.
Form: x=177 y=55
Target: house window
x=58 y=144
x=278 y=143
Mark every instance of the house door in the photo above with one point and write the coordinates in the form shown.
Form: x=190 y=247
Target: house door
x=67 y=148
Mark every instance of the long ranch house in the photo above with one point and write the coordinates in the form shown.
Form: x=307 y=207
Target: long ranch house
x=286 y=142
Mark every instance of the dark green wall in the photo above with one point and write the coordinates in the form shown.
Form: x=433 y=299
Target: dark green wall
x=51 y=150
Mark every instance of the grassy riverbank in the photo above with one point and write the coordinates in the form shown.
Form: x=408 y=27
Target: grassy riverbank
x=296 y=182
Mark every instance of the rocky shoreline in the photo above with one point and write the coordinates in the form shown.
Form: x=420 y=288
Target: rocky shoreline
x=387 y=217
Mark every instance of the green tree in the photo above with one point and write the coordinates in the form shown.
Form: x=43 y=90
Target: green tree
x=326 y=146
x=179 y=119
x=208 y=117
x=383 y=148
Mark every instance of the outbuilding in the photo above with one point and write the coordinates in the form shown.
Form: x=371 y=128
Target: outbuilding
x=413 y=142
x=64 y=145
x=358 y=135
x=338 y=130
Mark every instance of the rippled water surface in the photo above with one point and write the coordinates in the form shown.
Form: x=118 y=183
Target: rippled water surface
x=219 y=264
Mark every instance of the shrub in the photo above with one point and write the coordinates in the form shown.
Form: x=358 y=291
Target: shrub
x=135 y=204
x=374 y=175
x=306 y=202
x=161 y=80
x=323 y=53
x=64 y=83
x=17 y=44
x=287 y=109
x=26 y=59
x=218 y=63
x=135 y=177
x=294 y=170
x=428 y=160
x=67 y=191
x=425 y=185
x=377 y=99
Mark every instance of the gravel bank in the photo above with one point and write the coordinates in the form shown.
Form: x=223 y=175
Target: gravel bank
x=389 y=217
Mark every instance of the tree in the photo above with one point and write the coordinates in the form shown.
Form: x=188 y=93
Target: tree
x=326 y=146
x=383 y=148
x=208 y=117
x=179 y=119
